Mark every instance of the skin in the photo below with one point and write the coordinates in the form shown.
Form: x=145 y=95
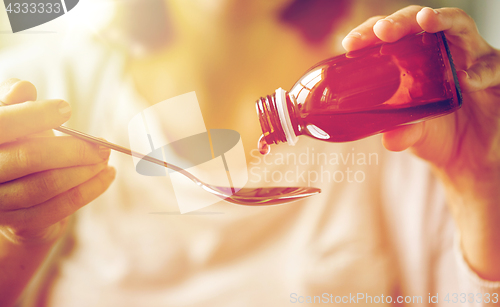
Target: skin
x=43 y=180
x=38 y=191
x=464 y=147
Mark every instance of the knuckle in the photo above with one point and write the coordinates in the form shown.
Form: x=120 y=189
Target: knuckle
x=82 y=150
x=471 y=22
x=414 y=7
x=374 y=19
x=75 y=198
x=459 y=13
x=28 y=156
x=490 y=68
x=50 y=181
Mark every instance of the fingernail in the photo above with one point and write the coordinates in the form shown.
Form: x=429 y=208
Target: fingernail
x=64 y=108
x=430 y=8
x=104 y=152
x=354 y=34
x=466 y=74
x=385 y=19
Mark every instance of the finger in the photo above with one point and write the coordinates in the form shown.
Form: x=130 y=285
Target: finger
x=14 y=91
x=46 y=133
x=398 y=25
x=452 y=20
x=483 y=74
x=362 y=35
x=40 y=154
x=456 y=24
x=40 y=187
x=403 y=137
x=31 y=117
x=61 y=206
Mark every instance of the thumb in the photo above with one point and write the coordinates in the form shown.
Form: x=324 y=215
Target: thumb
x=483 y=74
x=14 y=91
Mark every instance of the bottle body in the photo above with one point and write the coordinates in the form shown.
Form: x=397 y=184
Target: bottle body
x=365 y=92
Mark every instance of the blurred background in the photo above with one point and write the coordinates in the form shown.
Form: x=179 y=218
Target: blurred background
x=99 y=17
x=231 y=51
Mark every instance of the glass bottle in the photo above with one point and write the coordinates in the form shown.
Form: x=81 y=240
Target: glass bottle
x=364 y=92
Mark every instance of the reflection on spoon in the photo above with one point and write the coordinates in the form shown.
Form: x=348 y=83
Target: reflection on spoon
x=269 y=196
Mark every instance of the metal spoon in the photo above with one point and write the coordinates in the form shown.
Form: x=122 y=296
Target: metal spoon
x=245 y=196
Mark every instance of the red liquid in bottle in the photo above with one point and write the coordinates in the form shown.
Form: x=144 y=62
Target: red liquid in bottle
x=365 y=92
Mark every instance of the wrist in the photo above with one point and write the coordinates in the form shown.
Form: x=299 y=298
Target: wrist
x=481 y=250
x=476 y=211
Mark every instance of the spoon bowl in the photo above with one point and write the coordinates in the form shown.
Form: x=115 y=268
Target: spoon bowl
x=264 y=196
x=267 y=196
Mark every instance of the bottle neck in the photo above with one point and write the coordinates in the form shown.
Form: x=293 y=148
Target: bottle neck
x=276 y=118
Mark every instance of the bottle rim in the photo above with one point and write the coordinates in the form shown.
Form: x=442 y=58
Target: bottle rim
x=284 y=116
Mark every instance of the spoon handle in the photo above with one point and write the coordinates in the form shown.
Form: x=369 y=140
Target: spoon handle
x=93 y=139
x=98 y=141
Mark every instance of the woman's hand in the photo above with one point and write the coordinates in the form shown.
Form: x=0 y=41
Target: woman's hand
x=463 y=147
x=43 y=178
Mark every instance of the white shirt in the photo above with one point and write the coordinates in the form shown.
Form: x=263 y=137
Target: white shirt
x=389 y=234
